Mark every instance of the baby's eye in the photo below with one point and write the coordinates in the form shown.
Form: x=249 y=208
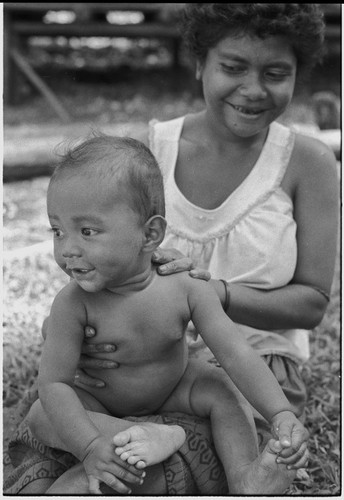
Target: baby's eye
x=57 y=232
x=86 y=231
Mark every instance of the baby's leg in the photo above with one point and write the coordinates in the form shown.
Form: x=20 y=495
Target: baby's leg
x=40 y=424
x=207 y=391
x=161 y=440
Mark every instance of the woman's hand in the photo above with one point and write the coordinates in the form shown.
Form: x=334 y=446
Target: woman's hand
x=86 y=361
x=93 y=363
x=172 y=261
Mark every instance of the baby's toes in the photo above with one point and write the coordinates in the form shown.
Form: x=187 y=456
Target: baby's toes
x=122 y=449
x=119 y=451
x=121 y=439
x=140 y=464
x=135 y=460
x=126 y=455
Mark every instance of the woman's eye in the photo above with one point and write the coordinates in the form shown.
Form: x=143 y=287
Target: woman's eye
x=276 y=75
x=232 y=68
x=86 y=231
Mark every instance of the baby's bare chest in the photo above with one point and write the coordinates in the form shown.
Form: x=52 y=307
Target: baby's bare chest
x=142 y=328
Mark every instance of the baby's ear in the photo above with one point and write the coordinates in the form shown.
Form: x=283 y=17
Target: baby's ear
x=154 y=230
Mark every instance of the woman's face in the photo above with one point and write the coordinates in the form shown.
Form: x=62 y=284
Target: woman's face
x=247 y=82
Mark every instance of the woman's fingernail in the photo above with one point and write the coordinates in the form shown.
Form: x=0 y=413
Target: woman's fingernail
x=162 y=269
x=100 y=384
x=110 y=348
x=143 y=474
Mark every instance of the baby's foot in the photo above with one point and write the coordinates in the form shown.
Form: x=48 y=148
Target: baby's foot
x=148 y=444
x=264 y=475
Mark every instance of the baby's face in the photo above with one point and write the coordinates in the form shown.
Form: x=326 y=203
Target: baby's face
x=97 y=236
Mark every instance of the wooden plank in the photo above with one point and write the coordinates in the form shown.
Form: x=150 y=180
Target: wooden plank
x=145 y=30
x=44 y=7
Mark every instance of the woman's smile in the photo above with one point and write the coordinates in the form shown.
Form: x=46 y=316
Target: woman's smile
x=247 y=111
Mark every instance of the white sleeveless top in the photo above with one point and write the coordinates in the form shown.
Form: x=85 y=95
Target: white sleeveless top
x=249 y=239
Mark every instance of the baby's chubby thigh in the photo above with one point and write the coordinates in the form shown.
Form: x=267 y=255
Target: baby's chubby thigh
x=203 y=386
x=90 y=402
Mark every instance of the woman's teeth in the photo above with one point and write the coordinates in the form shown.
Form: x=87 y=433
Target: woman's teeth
x=247 y=111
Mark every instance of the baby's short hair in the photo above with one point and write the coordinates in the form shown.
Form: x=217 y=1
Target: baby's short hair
x=118 y=163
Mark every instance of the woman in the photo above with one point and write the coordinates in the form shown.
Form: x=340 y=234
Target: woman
x=248 y=200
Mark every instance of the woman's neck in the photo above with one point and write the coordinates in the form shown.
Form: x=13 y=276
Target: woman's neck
x=221 y=139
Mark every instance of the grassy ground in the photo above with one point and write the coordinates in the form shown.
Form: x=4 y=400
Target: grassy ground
x=31 y=283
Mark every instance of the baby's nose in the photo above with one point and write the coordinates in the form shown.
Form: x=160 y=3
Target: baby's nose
x=71 y=249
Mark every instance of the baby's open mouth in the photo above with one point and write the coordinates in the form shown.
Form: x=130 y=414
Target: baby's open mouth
x=78 y=270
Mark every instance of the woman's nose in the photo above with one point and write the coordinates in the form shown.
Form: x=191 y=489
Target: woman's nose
x=252 y=88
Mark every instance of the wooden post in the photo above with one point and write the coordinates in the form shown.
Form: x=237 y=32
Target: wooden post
x=32 y=76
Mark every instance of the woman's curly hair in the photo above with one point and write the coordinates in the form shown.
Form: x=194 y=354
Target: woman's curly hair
x=203 y=25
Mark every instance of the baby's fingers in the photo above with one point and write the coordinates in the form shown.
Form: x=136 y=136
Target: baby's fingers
x=297 y=460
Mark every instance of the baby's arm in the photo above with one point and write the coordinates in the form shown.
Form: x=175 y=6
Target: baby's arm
x=244 y=366
x=60 y=357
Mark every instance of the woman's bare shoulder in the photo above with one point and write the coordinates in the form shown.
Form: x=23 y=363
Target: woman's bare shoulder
x=312 y=155
x=310 y=159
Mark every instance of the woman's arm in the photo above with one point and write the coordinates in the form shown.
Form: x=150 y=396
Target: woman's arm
x=292 y=306
x=313 y=182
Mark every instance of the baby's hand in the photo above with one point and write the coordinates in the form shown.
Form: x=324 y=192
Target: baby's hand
x=102 y=465
x=293 y=437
